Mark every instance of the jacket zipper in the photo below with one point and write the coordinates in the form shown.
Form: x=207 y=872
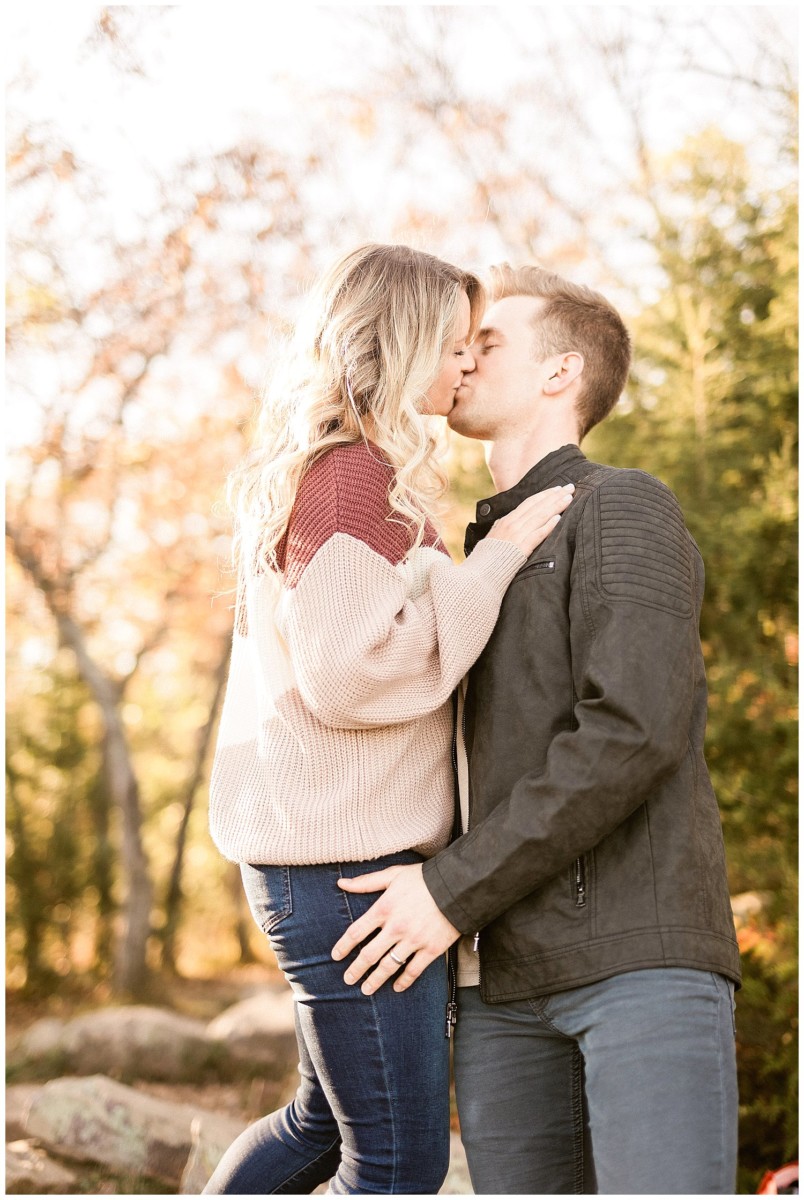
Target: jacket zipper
x=452 y=953
x=580 y=883
x=452 y=1003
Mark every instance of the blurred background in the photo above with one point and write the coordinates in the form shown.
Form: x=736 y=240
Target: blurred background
x=176 y=178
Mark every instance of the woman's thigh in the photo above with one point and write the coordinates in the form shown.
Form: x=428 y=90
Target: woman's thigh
x=382 y=1060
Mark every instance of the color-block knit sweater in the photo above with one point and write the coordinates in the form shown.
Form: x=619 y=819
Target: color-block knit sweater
x=336 y=732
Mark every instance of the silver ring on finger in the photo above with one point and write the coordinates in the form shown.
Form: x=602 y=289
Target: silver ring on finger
x=399 y=961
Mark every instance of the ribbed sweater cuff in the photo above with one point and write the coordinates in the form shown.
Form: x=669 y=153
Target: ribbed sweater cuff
x=498 y=561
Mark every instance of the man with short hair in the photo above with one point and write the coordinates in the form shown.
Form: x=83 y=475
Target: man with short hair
x=595 y=1046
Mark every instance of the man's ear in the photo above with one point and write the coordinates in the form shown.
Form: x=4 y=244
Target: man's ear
x=567 y=369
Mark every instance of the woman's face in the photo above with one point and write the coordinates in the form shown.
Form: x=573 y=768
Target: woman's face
x=457 y=359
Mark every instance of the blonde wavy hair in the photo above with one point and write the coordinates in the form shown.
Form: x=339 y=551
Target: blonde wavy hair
x=368 y=345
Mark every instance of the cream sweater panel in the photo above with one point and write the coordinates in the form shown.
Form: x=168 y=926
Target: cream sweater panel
x=336 y=732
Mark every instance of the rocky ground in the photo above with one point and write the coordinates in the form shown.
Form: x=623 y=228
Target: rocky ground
x=140 y=1099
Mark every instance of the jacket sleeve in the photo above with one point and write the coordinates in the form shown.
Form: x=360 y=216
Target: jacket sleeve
x=634 y=640
x=377 y=635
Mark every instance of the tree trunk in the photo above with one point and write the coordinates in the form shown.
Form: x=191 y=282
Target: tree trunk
x=174 y=896
x=243 y=920
x=695 y=323
x=130 y=967
x=102 y=870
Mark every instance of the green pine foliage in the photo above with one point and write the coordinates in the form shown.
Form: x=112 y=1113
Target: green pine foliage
x=60 y=863
x=712 y=410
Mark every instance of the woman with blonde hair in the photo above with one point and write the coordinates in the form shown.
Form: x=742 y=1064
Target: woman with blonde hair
x=353 y=629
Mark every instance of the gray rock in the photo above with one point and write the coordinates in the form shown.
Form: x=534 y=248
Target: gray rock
x=137 y=1041
x=39 y=1043
x=94 y=1119
x=211 y=1137
x=29 y=1171
x=18 y=1100
x=259 y=1030
x=142 y=1042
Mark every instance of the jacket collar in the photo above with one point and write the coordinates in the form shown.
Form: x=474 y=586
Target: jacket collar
x=557 y=467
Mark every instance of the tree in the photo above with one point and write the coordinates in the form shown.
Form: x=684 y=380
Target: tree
x=110 y=483
x=712 y=410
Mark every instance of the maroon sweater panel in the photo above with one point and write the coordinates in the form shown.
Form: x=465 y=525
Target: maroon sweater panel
x=346 y=491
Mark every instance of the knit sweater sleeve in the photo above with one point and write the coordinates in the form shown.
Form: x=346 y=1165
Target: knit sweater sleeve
x=377 y=632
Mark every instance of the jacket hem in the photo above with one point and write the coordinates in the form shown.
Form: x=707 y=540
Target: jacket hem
x=522 y=979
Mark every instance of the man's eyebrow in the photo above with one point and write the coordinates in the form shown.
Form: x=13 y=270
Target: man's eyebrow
x=486 y=332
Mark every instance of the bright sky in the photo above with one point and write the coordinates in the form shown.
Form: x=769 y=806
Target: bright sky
x=216 y=71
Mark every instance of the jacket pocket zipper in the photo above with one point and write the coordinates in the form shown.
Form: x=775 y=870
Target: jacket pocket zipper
x=580 y=883
x=546 y=566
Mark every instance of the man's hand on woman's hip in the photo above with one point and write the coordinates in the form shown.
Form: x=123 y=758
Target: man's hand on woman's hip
x=412 y=929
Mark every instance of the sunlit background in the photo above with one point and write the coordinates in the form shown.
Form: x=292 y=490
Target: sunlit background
x=176 y=178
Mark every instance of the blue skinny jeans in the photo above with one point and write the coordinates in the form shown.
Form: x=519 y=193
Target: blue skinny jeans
x=627 y=1086
x=371 y=1113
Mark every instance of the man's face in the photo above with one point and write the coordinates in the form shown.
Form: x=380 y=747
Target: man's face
x=502 y=390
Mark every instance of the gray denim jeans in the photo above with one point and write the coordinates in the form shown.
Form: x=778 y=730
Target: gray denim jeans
x=626 y=1086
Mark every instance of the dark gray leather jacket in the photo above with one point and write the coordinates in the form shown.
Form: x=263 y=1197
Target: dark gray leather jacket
x=595 y=844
